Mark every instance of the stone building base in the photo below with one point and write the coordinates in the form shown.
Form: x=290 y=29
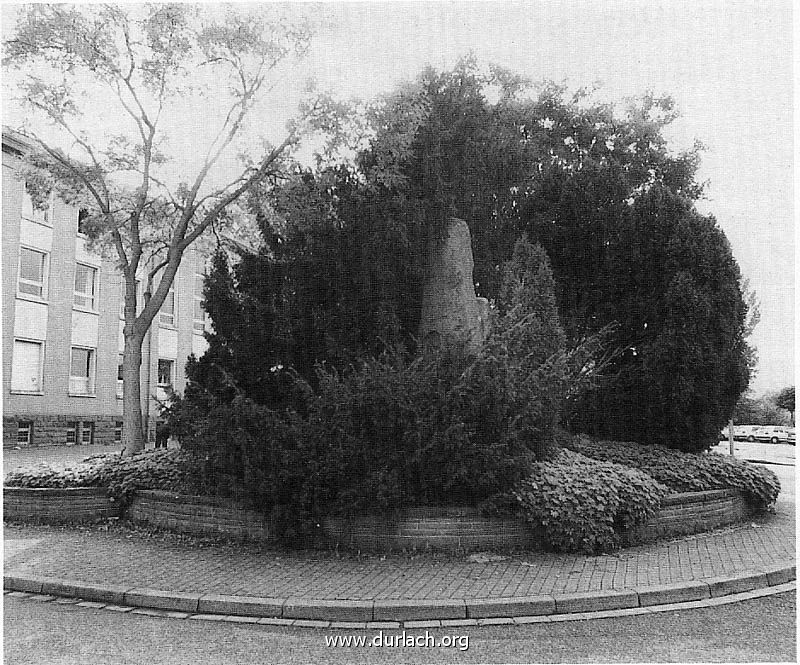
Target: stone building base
x=33 y=430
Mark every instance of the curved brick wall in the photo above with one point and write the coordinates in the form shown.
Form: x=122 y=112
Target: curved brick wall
x=463 y=529
x=691 y=512
x=198 y=515
x=448 y=529
x=57 y=506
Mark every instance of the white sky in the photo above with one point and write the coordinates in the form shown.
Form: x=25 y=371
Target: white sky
x=729 y=66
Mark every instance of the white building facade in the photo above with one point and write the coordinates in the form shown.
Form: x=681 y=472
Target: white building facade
x=62 y=325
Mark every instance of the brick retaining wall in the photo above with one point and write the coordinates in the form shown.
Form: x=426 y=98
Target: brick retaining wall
x=57 y=506
x=448 y=529
x=198 y=515
x=463 y=529
x=691 y=512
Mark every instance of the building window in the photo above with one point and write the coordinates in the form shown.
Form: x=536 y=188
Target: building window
x=81 y=371
x=165 y=369
x=83 y=214
x=25 y=433
x=87 y=433
x=26 y=367
x=120 y=377
x=43 y=215
x=167 y=314
x=199 y=323
x=32 y=272
x=118 y=431
x=72 y=433
x=85 y=286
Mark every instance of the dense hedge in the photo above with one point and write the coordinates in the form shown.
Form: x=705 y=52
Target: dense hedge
x=578 y=504
x=162 y=469
x=686 y=472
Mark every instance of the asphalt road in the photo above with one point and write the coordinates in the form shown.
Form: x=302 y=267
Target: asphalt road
x=759 y=630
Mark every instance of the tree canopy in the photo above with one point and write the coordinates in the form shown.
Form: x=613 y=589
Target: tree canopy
x=597 y=187
x=761 y=410
x=108 y=79
x=785 y=400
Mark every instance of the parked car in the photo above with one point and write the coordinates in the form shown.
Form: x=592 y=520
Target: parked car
x=772 y=433
x=743 y=432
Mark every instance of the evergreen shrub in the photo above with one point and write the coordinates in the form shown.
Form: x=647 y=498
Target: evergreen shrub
x=397 y=430
x=442 y=429
x=257 y=455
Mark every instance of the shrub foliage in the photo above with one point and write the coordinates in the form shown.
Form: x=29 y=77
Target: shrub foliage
x=579 y=504
x=173 y=470
x=394 y=431
x=686 y=472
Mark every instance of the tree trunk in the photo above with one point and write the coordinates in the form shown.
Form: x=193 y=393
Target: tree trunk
x=133 y=437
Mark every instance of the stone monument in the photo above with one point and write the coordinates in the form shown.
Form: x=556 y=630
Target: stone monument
x=451 y=313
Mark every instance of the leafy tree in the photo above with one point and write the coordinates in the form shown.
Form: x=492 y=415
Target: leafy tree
x=145 y=62
x=785 y=400
x=758 y=411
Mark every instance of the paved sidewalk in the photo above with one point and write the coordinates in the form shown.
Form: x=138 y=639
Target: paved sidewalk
x=122 y=557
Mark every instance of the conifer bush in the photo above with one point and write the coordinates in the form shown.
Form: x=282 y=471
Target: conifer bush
x=398 y=430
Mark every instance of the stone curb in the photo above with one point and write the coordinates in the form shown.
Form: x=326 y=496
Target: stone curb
x=409 y=613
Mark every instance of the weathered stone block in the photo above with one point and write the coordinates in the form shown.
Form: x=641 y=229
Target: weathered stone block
x=594 y=601
x=164 y=600
x=418 y=610
x=328 y=610
x=725 y=586
x=673 y=593
x=510 y=607
x=240 y=605
x=450 y=310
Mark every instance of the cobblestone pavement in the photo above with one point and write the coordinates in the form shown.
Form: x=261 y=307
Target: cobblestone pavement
x=117 y=555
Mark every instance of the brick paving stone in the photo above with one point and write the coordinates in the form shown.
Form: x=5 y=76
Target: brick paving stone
x=116 y=558
x=271 y=621
x=498 y=621
x=383 y=624
x=430 y=623
x=311 y=623
x=113 y=608
x=348 y=625
x=230 y=618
